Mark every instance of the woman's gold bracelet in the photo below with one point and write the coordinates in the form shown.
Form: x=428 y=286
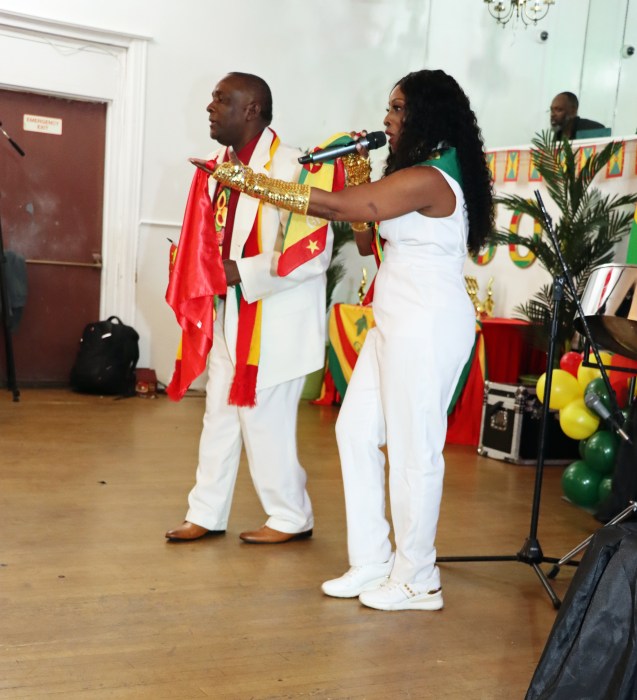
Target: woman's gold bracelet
x=360 y=226
x=286 y=195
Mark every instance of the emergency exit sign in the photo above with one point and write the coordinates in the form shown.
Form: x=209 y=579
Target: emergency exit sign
x=45 y=125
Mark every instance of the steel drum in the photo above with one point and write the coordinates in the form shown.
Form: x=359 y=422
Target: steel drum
x=609 y=304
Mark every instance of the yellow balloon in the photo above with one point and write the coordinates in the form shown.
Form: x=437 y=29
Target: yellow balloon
x=585 y=375
x=564 y=389
x=577 y=421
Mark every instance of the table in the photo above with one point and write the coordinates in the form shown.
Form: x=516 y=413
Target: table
x=509 y=349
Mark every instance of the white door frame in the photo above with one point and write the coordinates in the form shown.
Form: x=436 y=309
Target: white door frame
x=119 y=79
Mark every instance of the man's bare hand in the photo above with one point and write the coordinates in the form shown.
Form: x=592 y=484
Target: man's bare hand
x=209 y=166
x=232 y=272
x=204 y=165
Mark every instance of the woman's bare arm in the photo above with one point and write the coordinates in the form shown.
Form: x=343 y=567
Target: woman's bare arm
x=422 y=189
x=364 y=241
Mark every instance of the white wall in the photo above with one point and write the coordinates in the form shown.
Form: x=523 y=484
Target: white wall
x=625 y=121
x=608 y=77
x=331 y=65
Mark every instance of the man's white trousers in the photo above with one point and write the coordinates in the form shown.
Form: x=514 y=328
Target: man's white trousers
x=268 y=433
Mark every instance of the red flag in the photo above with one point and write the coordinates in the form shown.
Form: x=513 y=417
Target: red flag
x=196 y=277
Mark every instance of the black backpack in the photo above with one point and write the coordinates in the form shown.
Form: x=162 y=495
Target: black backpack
x=106 y=359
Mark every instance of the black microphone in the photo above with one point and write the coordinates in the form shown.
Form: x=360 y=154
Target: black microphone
x=375 y=139
x=11 y=141
x=596 y=405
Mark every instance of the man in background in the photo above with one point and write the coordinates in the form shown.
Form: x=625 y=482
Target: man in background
x=564 y=119
x=291 y=343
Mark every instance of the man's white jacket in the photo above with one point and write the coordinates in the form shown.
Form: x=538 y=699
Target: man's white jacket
x=293 y=311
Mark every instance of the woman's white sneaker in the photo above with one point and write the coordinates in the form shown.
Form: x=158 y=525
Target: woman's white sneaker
x=358 y=579
x=392 y=595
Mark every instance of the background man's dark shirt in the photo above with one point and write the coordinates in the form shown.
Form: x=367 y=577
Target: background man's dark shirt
x=581 y=124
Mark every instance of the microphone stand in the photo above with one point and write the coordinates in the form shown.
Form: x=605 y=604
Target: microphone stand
x=12 y=384
x=531 y=551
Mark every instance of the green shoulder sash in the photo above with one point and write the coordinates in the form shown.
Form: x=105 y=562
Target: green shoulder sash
x=446 y=159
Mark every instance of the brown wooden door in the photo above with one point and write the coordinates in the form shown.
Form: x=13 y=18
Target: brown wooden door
x=51 y=213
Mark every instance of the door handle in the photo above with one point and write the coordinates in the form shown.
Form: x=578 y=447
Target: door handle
x=96 y=264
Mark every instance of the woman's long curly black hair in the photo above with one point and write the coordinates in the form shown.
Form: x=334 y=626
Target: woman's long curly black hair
x=437 y=110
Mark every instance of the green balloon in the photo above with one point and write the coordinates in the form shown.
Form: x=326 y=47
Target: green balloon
x=580 y=484
x=605 y=486
x=597 y=386
x=600 y=451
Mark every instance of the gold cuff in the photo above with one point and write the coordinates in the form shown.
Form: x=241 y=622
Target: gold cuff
x=360 y=226
x=358 y=169
x=285 y=195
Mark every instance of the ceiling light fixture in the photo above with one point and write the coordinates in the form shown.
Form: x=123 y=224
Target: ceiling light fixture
x=529 y=11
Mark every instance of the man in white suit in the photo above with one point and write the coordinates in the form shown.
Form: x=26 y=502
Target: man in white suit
x=292 y=336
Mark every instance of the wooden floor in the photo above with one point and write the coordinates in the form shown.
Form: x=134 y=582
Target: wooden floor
x=94 y=603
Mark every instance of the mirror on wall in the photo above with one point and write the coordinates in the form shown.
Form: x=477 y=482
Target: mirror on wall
x=609 y=66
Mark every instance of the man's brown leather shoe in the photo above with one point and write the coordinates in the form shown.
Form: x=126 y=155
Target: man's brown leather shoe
x=267 y=535
x=189 y=531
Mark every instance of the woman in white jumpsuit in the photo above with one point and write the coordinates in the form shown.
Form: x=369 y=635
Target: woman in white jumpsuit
x=398 y=395
x=434 y=203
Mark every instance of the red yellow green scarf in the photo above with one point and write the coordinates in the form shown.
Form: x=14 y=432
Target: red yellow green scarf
x=243 y=391
x=305 y=237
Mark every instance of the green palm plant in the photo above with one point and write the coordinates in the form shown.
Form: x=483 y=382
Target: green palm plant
x=589 y=227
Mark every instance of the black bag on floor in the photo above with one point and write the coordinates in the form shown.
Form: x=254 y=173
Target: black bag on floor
x=107 y=358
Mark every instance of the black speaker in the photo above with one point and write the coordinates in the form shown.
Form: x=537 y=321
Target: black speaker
x=591 y=651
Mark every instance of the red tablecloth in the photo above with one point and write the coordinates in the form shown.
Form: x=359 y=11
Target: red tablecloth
x=509 y=355
x=509 y=350
x=463 y=423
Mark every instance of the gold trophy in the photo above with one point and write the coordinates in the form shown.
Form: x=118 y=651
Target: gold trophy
x=484 y=308
x=361 y=288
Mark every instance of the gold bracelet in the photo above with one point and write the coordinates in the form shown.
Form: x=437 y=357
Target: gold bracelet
x=360 y=226
x=358 y=169
x=285 y=195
